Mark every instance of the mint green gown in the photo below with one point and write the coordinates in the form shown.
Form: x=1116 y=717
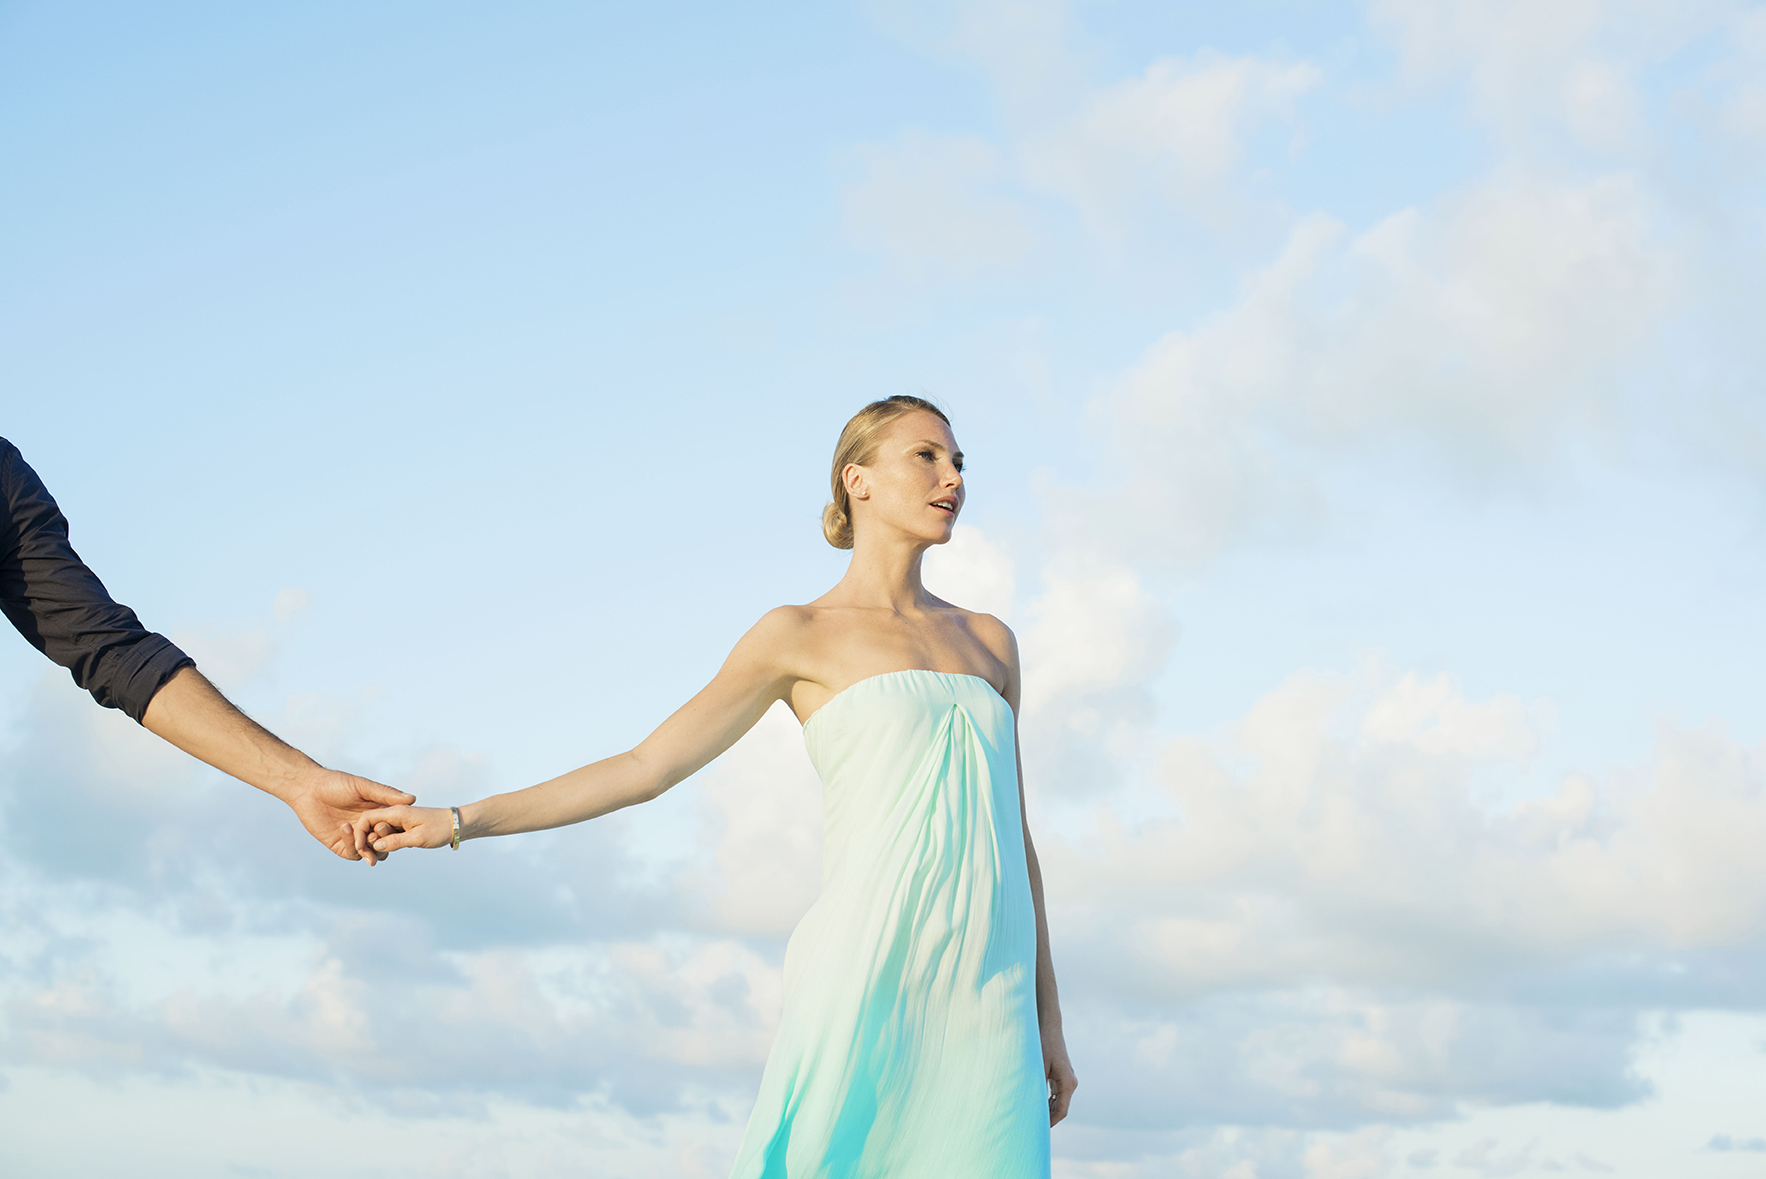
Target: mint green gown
x=909 y=1047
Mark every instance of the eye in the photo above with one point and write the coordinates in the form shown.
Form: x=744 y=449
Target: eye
x=925 y=454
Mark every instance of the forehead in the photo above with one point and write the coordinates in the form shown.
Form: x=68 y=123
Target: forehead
x=920 y=426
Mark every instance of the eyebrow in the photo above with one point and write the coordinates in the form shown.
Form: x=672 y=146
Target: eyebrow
x=956 y=454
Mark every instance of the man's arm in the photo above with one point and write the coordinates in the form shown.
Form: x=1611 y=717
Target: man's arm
x=188 y=712
x=61 y=607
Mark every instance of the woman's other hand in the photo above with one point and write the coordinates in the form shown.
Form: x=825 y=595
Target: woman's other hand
x=1062 y=1082
x=385 y=831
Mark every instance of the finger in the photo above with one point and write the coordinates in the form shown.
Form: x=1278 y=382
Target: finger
x=357 y=844
x=362 y=828
x=384 y=795
x=358 y=836
x=1060 y=1096
x=388 y=844
x=386 y=816
x=345 y=842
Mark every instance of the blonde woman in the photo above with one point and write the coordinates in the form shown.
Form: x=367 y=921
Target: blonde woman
x=921 y=1035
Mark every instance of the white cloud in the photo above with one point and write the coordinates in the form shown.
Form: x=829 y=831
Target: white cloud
x=762 y=806
x=1490 y=329
x=1436 y=719
x=1535 y=69
x=258 y=1126
x=1023 y=46
x=973 y=572
x=1344 y=836
x=639 y=1022
x=229 y=655
x=1338 y=930
x=1171 y=138
x=290 y=602
x=1176 y=133
x=1360 y=1156
x=935 y=205
x=1092 y=641
x=1600 y=104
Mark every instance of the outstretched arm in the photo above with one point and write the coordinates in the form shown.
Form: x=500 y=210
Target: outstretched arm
x=60 y=606
x=750 y=681
x=188 y=712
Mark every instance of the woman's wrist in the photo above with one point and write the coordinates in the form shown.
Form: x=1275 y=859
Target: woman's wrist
x=471 y=819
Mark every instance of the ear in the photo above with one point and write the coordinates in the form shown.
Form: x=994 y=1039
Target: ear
x=853 y=476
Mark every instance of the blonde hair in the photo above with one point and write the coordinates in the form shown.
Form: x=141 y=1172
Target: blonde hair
x=858 y=444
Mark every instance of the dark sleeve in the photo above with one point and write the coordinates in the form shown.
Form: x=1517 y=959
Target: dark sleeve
x=63 y=609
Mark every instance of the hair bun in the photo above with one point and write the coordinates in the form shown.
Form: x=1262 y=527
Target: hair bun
x=836 y=527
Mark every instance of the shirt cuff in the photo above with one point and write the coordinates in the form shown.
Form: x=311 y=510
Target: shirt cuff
x=141 y=672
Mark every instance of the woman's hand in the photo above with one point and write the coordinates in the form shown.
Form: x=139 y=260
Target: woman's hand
x=1059 y=1069
x=384 y=831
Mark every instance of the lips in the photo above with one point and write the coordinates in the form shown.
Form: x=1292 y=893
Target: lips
x=945 y=505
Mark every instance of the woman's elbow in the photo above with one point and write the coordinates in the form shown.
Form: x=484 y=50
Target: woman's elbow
x=652 y=780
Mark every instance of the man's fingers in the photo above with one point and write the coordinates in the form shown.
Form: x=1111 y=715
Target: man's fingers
x=362 y=830
x=384 y=795
x=348 y=846
x=345 y=843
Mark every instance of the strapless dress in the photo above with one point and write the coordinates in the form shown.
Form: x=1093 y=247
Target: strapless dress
x=908 y=1046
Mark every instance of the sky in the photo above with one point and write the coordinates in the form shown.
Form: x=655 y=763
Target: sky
x=1366 y=443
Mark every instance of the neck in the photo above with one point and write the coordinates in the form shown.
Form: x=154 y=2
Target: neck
x=886 y=575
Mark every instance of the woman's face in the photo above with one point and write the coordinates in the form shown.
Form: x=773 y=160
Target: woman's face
x=915 y=483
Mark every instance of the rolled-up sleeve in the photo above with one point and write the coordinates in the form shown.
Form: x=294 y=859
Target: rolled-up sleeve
x=59 y=604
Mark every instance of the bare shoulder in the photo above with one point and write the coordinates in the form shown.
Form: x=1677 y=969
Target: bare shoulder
x=995 y=635
x=784 y=621
x=997 y=639
x=773 y=647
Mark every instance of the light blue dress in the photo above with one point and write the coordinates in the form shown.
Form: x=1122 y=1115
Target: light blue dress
x=909 y=1046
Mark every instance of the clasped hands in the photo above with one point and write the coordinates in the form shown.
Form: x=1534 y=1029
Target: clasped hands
x=359 y=818
x=379 y=833
x=327 y=802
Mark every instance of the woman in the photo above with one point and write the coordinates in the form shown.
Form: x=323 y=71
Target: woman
x=921 y=1020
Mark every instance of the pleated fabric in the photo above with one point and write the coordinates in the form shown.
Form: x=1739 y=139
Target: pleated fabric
x=908 y=1047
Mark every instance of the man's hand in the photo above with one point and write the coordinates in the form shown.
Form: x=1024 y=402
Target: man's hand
x=191 y=714
x=329 y=803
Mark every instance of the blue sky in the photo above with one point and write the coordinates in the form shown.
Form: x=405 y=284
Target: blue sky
x=1366 y=443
